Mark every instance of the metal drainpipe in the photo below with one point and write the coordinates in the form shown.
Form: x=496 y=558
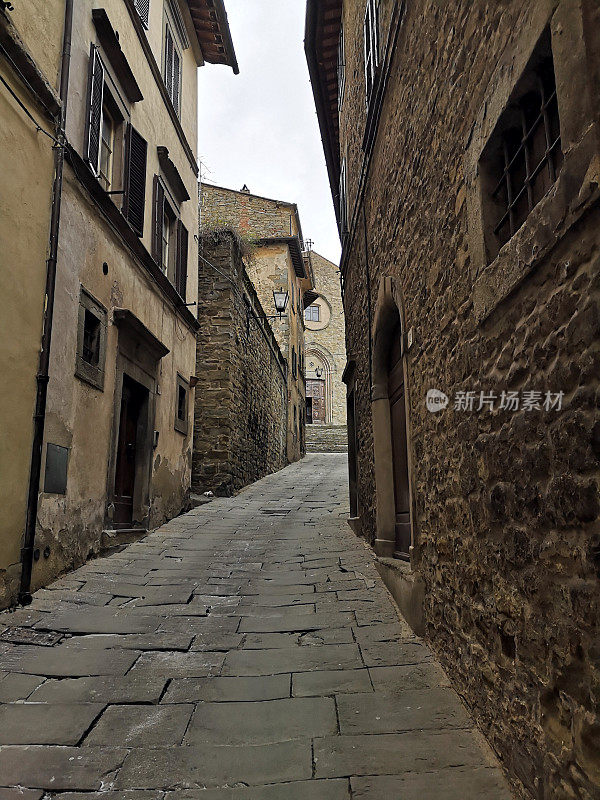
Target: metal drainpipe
x=39 y=418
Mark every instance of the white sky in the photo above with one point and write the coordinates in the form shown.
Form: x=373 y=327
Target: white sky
x=260 y=127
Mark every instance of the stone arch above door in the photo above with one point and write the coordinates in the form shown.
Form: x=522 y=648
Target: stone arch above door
x=317 y=355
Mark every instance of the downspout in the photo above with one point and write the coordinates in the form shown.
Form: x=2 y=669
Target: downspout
x=42 y=377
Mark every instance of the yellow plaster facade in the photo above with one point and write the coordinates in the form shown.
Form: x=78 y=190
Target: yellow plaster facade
x=27 y=169
x=123 y=348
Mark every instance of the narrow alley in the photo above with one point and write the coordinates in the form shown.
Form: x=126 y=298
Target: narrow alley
x=248 y=643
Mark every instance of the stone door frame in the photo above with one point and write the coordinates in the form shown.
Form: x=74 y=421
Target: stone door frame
x=389 y=312
x=318 y=351
x=138 y=355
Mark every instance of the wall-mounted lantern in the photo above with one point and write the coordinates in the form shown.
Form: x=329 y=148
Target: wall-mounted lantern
x=281 y=300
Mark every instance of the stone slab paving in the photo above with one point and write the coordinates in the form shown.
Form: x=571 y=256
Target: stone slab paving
x=244 y=651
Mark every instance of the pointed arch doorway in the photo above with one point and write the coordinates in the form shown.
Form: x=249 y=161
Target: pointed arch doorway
x=389 y=402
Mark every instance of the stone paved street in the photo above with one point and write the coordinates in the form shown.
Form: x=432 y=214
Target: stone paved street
x=245 y=651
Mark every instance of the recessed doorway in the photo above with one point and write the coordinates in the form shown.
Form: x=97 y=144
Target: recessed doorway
x=134 y=405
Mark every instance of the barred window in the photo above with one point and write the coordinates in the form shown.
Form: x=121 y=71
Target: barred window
x=341 y=69
x=371 y=43
x=525 y=153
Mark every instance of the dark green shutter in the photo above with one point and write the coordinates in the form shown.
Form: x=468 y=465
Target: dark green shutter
x=134 y=201
x=95 y=100
x=158 y=210
x=182 y=259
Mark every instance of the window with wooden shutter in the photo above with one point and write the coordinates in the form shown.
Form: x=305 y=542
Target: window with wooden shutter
x=168 y=66
x=176 y=80
x=134 y=202
x=143 y=9
x=182 y=259
x=158 y=211
x=172 y=67
x=95 y=99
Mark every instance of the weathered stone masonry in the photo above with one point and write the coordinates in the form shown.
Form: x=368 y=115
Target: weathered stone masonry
x=505 y=505
x=240 y=406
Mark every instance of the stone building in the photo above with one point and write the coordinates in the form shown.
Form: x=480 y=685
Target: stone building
x=240 y=418
x=31 y=38
x=272 y=233
x=325 y=360
x=325 y=344
x=463 y=147
x=117 y=433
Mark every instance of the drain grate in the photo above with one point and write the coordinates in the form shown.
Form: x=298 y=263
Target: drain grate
x=29 y=636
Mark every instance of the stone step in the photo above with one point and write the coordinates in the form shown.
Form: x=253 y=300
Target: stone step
x=326 y=439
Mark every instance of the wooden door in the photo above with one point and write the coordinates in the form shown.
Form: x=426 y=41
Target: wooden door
x=309 y=410
x=315 y=389
x=399 y=445
x=132 y=399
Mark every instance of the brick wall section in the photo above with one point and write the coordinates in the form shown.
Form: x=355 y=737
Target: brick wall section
x=240 y=403
x=507 y=527
x=251 y=216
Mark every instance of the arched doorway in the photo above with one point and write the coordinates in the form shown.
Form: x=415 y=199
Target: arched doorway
x=389 y=404
x=319 y=385
x=397 y=400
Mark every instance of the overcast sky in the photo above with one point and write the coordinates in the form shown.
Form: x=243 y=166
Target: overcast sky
x=260 y=127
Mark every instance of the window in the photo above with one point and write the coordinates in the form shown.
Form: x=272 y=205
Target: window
x=171 y=66
x=181 y=405
x=170 y=240
x=341 y=69
x=143 y=9
x=91 y=340
x=343 y=217
x=90 y=351
x=294 y=362
x=371 y=42
x=115 y=152
x=524 y=156
x=312 y=314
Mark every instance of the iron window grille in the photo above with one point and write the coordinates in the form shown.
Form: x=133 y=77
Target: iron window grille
x=143 y=9
x=531 y=155
x=91 y=340
x=341 y=69
x=371 y=42
x=181 y=405
x=343 y=220
x=90 y=351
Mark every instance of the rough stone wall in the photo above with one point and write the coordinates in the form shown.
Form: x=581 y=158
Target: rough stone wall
x=240 y=404
x=270 y=267
x=327 y=338
x=506 y=524
x=250 y=215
